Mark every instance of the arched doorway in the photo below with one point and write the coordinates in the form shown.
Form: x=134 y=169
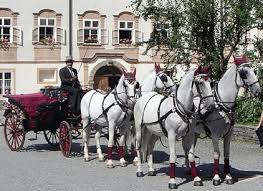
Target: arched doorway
x=106 y=78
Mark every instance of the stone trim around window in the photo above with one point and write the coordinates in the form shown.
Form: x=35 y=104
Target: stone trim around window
x=41 y=72
x=103 y=33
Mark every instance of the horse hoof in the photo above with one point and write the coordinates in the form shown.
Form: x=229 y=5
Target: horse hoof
x=110 y=166
x=198 y=183
x=139 y=174
x=216 y=182
x=101 y=159
x=229 y=181
x=172 y=186
x=124 y=164
x=152 y=173
x=86 y=159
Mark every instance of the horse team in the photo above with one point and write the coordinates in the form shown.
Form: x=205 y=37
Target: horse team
x=187 y=109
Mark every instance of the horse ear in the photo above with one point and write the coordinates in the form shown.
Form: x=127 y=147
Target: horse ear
x=124 y=73
x=134 y=72
x=198 y=70
x=157 y=68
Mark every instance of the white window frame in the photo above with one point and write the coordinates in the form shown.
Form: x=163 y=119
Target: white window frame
x=11 y=28
x=3 y=79
x=159 y=29
x=91 y=28
x=126 y=28
x=54 y=27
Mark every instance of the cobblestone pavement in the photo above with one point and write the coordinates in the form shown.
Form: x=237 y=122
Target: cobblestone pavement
x=41 y=167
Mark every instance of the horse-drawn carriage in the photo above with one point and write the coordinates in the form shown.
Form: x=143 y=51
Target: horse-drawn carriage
x=46 y=111
x=31 y=112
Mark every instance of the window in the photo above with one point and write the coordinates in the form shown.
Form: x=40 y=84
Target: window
x=91 y=31
x=125 y=32
x=46 y=28
x=47 y=75
x=5 y=28
x=5 y=82
x=162 y=28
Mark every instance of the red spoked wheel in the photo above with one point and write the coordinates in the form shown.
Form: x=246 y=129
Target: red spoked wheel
x=52 y=137
x=14 y=132
x=65 y=138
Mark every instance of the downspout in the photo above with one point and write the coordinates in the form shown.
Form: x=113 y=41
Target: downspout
x=70 y=27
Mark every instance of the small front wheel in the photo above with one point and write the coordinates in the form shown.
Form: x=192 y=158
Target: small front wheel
x=65 y=138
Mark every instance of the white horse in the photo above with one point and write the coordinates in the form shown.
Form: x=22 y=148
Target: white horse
x=157 y=80
x=219 y=120
x=156 y=115
x=111 y=110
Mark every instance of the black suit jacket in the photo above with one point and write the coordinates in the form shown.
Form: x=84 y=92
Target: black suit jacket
x=65 y=77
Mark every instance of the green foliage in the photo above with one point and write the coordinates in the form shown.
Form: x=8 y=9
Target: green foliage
x=211 y=29
x=249 y=111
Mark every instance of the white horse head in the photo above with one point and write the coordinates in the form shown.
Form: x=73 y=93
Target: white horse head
x=128 y=84
x=203 y=95
x=157 y=80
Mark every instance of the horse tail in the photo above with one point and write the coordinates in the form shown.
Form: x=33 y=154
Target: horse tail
x=144 y=143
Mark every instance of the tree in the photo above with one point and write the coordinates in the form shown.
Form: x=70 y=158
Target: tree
x=206 y=30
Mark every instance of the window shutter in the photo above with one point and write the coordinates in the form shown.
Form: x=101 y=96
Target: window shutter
x=80 y=36
x=115 y=37
x=35 y=35
x=17 y=35
x=104 y=36
x=138 y=36
x=60 y=38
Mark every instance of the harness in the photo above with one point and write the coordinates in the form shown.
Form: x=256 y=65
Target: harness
x=184 y=114
x=124 y=107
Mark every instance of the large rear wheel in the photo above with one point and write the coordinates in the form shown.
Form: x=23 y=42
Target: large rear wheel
x=65 y=138
x=14 y=132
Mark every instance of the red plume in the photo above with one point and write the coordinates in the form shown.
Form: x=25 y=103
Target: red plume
x=157 y=67
x=198 y=70
x=240 y=60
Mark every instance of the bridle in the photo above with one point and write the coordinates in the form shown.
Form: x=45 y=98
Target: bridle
x=164 y=79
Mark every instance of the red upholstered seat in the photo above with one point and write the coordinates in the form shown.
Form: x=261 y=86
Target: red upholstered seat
x=30 y=102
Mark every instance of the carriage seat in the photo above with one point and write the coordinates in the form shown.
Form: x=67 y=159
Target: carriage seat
x=30 y=102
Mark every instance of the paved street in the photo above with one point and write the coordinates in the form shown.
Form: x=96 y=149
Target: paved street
x=40 y=167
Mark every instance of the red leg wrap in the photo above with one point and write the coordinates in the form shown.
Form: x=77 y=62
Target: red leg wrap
x=216 y=166
x=121 y=151
x=172 y=170
x=193 y=169
x=109 y=153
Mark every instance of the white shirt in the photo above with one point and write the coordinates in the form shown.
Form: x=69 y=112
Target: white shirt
x=71 y=71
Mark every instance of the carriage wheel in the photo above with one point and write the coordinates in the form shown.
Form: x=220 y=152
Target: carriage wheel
x=14 y=132
x=65 y=138
x=52 y=137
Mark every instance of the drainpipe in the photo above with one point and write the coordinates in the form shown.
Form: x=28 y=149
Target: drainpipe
x=70 y=27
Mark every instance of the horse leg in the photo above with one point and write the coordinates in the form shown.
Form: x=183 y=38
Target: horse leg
x=172 y=141
x=188 y=146
x=151 y=144
x=123 y=132
x=86 y=136
x=227 y=139
x=97 y=139
x=112 y=125
x=216 y=178
x=133 y=141
x=137 y=159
